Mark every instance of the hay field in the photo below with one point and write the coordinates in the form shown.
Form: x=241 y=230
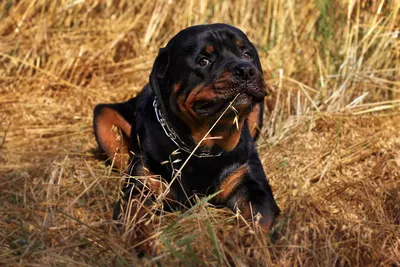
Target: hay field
x=330 y=145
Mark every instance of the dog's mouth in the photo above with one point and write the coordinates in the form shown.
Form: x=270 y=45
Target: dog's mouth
x=214 y=107
x=210 y=101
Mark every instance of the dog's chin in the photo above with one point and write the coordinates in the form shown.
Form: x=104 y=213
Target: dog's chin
x=206 y=109
x=244 y=101
x=214 y=108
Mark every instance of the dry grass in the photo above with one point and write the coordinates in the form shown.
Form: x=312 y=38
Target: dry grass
x=330 y=147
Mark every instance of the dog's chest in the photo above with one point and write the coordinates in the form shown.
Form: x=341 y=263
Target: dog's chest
x=198 y=176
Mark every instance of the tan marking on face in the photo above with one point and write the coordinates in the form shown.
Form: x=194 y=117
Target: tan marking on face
x=228 y=138
x=224 y=80
x=185 y=104
x=253 y=120
x=239 y=43
x=210 y=49
x=189 y=116
x=231 y=182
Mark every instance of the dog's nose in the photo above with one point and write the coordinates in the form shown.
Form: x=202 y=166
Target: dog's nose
x=244 y=71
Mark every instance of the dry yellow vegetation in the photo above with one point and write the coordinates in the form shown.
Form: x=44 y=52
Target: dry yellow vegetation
x=330 y=145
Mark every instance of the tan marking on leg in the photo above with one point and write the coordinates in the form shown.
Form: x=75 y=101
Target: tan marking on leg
x=138 y=213
x=113 y=143
x=251 y=212
x=155 y=183
x=139 y=228
x=267 y=221
x=231 y=182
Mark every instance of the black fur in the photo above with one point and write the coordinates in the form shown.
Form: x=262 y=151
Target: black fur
x=178 y=63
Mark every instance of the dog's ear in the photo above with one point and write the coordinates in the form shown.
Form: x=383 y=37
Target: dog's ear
x=158 y=72
x=112 y=128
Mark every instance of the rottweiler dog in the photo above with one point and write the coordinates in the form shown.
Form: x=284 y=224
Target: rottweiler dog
x=192 y=129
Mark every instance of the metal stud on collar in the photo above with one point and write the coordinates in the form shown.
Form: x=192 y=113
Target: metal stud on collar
x=174 y=137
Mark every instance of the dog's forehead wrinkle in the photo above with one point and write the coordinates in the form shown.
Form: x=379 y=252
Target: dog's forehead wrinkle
x=217 y=35
x=221 y=42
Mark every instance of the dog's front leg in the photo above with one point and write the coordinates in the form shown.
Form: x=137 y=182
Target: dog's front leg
x=246 y=188
x=143 y=197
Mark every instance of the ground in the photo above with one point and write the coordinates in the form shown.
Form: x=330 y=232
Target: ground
x=330 y=144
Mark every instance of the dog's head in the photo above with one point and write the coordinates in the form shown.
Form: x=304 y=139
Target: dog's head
x=200 y=71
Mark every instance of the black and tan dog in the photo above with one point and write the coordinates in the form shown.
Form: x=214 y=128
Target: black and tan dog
x=193 y=81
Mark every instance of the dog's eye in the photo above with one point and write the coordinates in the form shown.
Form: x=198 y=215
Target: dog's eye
x=203 y=61
x=248 y=55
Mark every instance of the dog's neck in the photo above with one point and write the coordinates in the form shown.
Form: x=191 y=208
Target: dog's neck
x=174 y=136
